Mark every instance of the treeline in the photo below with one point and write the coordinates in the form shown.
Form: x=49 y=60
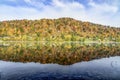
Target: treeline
x=62 y=29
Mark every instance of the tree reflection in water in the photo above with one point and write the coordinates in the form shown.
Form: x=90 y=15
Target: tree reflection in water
x=66 y=53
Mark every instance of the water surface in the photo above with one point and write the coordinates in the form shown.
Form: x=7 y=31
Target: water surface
x=59 y=61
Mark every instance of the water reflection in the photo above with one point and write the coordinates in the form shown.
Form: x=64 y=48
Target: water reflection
x=61 y=53
x=101 y=69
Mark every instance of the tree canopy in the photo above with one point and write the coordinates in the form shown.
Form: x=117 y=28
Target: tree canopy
x=62 y=29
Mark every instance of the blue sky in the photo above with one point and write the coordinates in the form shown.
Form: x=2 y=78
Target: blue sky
x=106 y=12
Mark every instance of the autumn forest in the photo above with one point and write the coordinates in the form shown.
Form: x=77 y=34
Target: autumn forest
x=62 y=29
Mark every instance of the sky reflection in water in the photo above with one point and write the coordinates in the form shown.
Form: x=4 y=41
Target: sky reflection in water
x=93 y=68
x=106 y=68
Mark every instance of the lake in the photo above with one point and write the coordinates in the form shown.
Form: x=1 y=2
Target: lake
x=59 y=61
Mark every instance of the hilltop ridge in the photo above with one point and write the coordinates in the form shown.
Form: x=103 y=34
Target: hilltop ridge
x=61 y=29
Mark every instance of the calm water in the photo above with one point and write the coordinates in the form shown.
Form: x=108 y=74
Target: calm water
x=59 y=61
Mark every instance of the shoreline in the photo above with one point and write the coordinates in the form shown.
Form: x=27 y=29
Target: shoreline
x=63 y=41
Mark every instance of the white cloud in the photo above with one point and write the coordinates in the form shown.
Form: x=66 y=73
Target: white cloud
x=27 y=1
x=35 y=3
x=62 y=4
x=58 y=3
x=9 y=13
x=107 y=14
x=104 y=7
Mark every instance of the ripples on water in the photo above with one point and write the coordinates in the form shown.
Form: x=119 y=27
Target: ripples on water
x=59 y=61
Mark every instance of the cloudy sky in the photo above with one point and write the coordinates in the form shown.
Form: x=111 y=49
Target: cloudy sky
x=105 y=12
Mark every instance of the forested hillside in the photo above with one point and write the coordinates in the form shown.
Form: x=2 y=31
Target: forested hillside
x=62 y=29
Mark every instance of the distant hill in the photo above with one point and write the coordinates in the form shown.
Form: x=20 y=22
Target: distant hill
x=62 y=29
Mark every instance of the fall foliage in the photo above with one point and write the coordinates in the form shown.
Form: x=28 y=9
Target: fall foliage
x=62 y=29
